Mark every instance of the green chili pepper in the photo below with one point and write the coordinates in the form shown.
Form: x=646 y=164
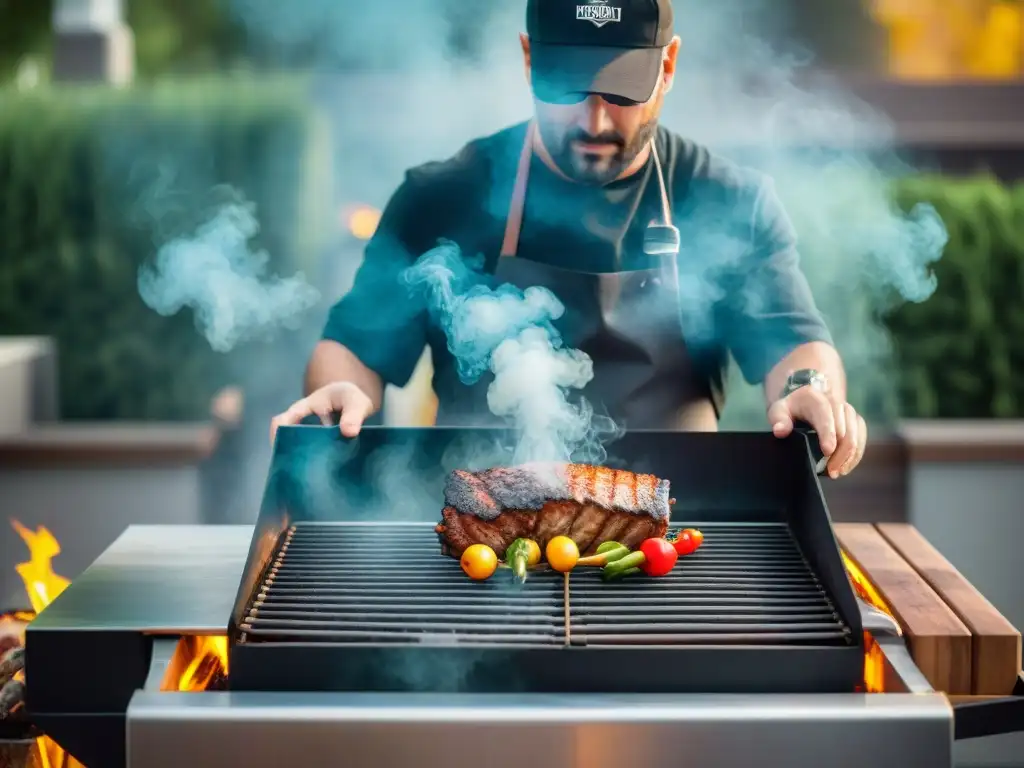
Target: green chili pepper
x=519 y=555
x=621 y=565
x=620 y=574
x=608 y=552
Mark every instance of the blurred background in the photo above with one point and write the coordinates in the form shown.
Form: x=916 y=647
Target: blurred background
x=186 y=186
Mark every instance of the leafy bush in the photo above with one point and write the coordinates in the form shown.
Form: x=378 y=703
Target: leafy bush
x=93 y=180
x=952 y=355
x=957 y=352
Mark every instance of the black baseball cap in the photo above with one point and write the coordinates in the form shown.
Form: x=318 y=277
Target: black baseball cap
x=611 y=47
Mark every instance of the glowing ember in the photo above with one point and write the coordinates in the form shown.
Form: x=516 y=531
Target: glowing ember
x=361 y=221
x=874 y=658
x=42 y=585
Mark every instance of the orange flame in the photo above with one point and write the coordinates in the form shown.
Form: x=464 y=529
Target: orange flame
x=361 y=221
x=874 y=658
x=42 y=585
x=201 y=660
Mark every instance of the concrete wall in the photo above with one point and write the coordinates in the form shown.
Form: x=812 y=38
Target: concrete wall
x=86 y=509
x=973 y=513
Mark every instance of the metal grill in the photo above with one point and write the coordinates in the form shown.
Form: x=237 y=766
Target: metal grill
x=355 y=584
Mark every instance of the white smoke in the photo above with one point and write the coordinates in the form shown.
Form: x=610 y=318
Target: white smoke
x=224 y=280
x=510 y=334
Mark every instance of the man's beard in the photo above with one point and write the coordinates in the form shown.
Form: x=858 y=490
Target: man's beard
x=595 y=170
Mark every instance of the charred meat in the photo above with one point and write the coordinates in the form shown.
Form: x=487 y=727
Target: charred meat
x=589 y=504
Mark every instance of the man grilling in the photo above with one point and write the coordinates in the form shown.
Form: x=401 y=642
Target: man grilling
x=667 y=257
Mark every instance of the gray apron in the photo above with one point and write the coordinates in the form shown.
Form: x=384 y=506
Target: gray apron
x=628 y=323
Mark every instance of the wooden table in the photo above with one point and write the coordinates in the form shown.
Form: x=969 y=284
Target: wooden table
x=960 y=642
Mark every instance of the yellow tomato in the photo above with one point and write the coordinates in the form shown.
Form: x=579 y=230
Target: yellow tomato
x=479 y=562
x=534 y=550
x=562 y=553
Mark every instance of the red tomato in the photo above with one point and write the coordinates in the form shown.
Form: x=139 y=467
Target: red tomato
x=659 y=557
x=696 y=535
x=685 y=544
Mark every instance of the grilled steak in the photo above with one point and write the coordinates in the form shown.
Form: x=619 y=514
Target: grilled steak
x=589 y=504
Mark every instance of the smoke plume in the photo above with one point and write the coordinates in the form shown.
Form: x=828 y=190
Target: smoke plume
x=510 y=333
x=224 y=281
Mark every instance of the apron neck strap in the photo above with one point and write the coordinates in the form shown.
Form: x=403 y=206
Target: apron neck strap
x=514 y=219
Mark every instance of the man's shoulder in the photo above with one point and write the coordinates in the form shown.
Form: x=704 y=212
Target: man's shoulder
x=704 y=175
x=472 y=167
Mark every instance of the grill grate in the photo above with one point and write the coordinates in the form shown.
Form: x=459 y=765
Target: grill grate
x=373 y=585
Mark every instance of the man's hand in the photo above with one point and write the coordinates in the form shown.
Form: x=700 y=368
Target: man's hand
x=341 y=397
x=842 y=432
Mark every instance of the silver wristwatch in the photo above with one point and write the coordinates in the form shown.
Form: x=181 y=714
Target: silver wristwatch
x=806 y=377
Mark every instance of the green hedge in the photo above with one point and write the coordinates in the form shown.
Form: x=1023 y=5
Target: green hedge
x=950 y=356
x=93 y=180
x=958 y=351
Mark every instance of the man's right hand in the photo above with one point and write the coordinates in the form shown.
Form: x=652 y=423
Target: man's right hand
x=341 y=397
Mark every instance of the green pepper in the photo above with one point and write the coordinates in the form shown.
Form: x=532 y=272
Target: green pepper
x=620 y=574
x=608 y=552
x=623 y=564
x=519 y=555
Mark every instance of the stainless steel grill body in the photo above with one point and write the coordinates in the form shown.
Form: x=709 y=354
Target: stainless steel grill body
x=261 y=730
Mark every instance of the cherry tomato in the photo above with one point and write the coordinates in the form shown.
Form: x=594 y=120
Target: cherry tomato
x=659 y=557
x=534 y=552
x=562 y=553
x=685 y=543
x=696 y=535
x=479 y=562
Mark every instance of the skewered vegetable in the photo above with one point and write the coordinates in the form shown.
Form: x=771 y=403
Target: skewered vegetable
x=479 y=562
x=562 y=553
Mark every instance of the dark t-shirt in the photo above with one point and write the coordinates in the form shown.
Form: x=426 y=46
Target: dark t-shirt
x=741 y=288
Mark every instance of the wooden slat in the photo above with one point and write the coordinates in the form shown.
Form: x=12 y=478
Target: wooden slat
x=939 y=642
x=995 y=643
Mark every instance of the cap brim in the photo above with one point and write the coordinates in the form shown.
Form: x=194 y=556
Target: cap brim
x=560 y=70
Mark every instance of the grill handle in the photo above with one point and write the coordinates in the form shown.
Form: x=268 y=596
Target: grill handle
x=989 y=716
x=820 y=460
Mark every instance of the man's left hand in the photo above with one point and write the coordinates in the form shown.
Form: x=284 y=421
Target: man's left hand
x=842 y=432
